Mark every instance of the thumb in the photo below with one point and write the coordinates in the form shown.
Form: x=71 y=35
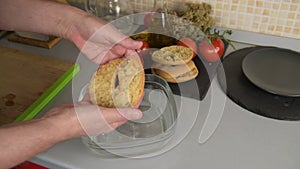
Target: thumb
x=130 y=113
x=112 y=115
x=116 y=37
x=131 y=44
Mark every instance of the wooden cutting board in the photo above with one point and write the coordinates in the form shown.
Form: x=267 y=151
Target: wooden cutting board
x=44 y=44
x=28 y=82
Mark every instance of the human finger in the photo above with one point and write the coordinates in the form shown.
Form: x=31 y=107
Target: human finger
x=113 y=115
x=117 y=124
x=96 y=120
x=113 y=36
x=130 y=43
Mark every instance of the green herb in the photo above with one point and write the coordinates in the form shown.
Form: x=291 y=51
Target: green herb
x=216 y=34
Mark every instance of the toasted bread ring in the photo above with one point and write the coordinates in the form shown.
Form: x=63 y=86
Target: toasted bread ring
x=176 y=73
x=173 y=55
x=118 y=83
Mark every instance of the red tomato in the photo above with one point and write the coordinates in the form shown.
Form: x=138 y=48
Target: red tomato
x=188 y=42
x=145 y=44
x=147 y=19
x=148 y=16
x=213 y=51
x=159 y=10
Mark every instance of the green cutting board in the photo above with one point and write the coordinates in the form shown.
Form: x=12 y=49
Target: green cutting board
x=29 y=81
x=49 y=94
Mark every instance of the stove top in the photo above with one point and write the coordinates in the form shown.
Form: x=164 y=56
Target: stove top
x=247 y=95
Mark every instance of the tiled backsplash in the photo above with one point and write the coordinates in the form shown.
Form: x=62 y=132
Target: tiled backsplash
x=273 y=17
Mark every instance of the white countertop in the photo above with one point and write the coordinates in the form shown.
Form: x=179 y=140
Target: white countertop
x=242 y=139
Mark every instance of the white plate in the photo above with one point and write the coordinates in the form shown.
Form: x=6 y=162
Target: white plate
x=274 y=70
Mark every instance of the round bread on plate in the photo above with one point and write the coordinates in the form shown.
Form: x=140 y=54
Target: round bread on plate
x=176 y=73
x=118 y=83
x=173 y=55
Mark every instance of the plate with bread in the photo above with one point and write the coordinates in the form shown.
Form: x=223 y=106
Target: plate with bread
x=174 y=63
x=188 y=75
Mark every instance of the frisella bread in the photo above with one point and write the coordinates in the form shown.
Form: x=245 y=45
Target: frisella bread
x=174 y=64
x=173 y=55
x=118 y=83
x=176 y=73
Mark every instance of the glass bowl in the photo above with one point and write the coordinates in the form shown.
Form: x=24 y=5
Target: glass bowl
x=146 y=135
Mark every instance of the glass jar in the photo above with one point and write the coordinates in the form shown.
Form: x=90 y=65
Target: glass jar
x=108 y=9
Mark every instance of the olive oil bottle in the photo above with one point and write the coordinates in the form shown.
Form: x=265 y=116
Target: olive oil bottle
x=160 y=31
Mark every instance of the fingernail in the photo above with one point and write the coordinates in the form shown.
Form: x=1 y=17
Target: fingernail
x=136 y=114
x=137 y=43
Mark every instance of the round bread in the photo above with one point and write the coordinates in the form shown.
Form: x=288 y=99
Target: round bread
x=173 y=55
x=118 y=83
x=176 y=73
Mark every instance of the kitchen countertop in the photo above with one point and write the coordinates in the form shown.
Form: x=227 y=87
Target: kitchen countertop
x=241 y=140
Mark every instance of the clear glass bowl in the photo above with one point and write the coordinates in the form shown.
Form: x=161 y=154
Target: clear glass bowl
x=146 y=135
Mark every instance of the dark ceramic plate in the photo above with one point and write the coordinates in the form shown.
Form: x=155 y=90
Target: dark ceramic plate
x=274 y=70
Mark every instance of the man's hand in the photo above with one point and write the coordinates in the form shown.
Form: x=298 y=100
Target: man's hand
x=100 y=41
x=85 y=118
